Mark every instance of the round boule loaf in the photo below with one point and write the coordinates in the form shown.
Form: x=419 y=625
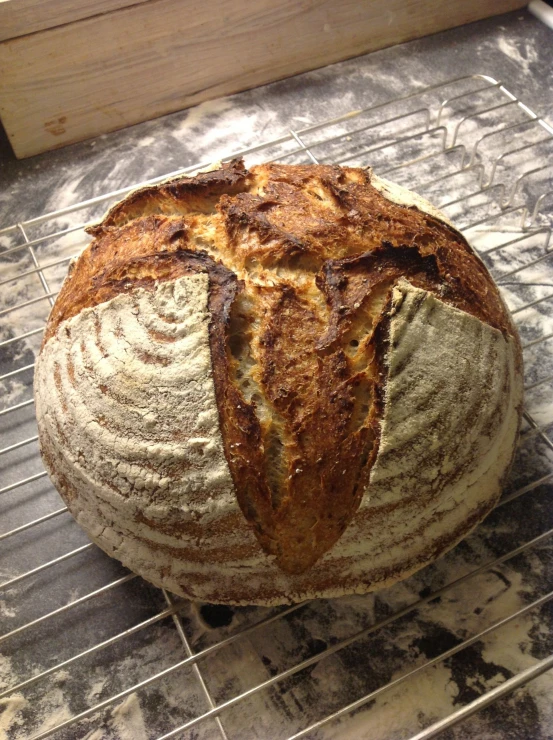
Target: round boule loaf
x=268 y=385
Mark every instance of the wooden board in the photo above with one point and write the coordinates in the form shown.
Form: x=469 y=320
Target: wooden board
x=85 y=78
x=21 y=17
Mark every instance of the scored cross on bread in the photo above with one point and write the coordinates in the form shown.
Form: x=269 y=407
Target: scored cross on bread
x=262 y=385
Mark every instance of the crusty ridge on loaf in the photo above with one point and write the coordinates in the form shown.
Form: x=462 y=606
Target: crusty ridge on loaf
x=302 y=262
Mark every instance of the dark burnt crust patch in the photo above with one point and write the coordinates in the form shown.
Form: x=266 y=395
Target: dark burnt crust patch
x=346 y=283
x=325 y=248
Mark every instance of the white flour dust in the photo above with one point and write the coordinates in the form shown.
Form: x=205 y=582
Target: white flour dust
x=10 y=709
x=523 y=53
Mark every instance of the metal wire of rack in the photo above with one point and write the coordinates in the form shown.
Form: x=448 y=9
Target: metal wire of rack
x=89 y=650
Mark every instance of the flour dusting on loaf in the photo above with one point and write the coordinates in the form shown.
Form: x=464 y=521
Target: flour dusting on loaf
x=267 y=385
x=135 y=440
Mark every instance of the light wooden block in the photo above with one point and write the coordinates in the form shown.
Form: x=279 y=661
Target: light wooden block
x=90 y=76
x=21 y=17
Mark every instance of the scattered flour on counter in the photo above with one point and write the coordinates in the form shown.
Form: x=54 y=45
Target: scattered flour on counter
x=95 y=690
x=196 y=115
x=6 y=611
x=54 y=707
x=9 y=710
x=432 y=694
x=28 y=318
x=125 y=723
x=6 y=242
x=65 y=195
x=146 y=141
x=456 y=609
x=11 y=270
x=412 y=705
x=128 y=720
x=509 y=647
x=12 y=392
x=94 y=735
x=60 y=676
x=525 y=56
x=217 y=122
x=8 y=677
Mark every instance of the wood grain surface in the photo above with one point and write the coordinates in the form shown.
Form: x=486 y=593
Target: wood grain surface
x=21 y=17
x=81 y=79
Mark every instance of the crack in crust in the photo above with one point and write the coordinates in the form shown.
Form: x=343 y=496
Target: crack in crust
x=302 y=262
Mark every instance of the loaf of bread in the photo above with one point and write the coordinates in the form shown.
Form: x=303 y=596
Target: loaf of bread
x=268 y=385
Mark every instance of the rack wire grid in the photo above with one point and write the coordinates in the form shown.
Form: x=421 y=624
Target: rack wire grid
x=461 y=648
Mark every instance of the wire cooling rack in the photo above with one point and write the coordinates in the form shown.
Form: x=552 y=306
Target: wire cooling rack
x=90 y=650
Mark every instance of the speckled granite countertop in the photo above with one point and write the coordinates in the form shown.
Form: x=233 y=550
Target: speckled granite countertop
x=400 y=628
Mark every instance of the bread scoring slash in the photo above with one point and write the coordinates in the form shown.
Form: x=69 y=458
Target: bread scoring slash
x=264 y=385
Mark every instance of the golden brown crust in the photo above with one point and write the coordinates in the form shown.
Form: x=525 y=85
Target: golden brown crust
x=183 y=195
x=149 y=221
x=303 y=214
x=301 y=263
